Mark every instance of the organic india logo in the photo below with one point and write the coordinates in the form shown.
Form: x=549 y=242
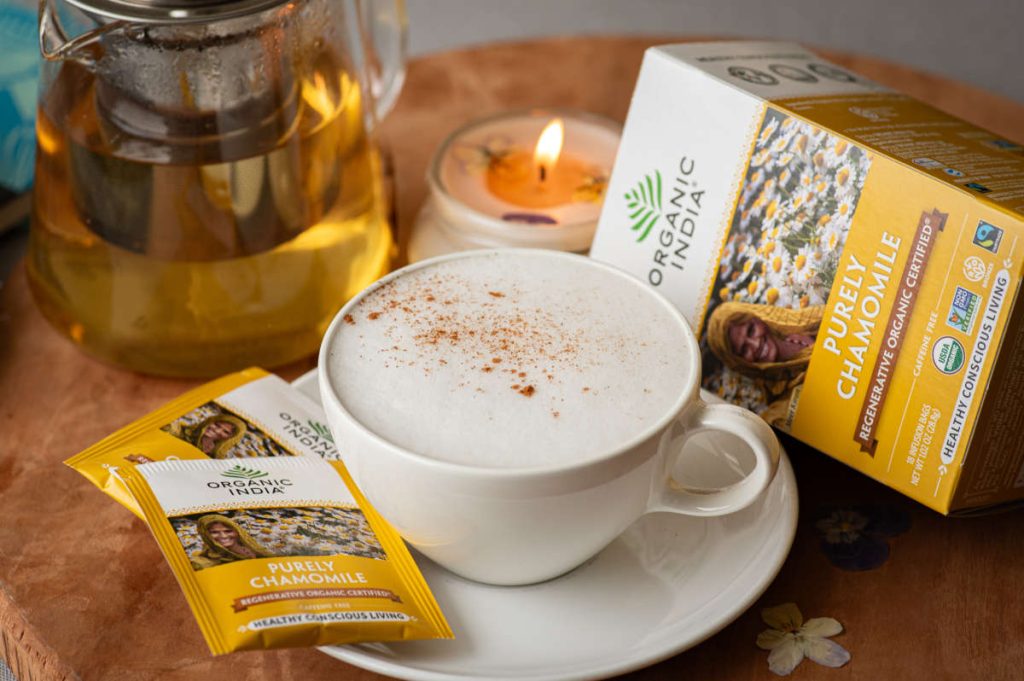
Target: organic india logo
x=243 y=473
x=249 y=482
x=321 y=430
x=644 y=204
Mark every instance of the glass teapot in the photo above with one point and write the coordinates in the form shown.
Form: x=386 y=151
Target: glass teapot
x=208 y=192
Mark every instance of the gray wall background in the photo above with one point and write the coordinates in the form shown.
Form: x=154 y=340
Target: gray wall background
x=975 y=41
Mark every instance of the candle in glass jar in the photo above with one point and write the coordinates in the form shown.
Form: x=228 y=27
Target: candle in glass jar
x=528 y=179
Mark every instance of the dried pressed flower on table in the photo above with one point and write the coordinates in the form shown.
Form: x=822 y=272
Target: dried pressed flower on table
x=857 y=537
x=791 y=639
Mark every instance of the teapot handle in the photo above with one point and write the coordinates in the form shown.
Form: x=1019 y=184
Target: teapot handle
x=54 y=44
x=382 y=28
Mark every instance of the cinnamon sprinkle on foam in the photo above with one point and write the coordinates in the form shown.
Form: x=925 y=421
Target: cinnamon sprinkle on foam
x=432 y=318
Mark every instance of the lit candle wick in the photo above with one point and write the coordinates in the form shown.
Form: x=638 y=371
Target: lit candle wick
x=549 y=147
x=548 y=176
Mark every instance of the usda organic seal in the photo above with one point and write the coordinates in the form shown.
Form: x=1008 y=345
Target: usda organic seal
x=948 y=355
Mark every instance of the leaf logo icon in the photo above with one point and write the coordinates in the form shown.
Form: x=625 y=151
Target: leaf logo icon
x=644 y=204
x=239 y=471
x=321 y=430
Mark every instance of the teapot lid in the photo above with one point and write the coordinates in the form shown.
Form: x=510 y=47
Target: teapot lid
x=174 y=11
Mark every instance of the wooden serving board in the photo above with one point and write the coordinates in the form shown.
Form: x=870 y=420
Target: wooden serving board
x=85 y=593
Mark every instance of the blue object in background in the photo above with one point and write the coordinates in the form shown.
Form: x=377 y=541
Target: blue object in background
x=19 y=78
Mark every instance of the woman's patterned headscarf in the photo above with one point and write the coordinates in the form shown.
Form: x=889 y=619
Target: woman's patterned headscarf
x=780 y=320
x=221 y=450
x=217 y=552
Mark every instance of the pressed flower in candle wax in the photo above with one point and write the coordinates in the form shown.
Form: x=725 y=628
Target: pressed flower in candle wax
x=533 y=179
x=544 y=178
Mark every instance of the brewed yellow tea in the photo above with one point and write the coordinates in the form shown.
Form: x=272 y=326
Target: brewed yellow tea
x=190 y=242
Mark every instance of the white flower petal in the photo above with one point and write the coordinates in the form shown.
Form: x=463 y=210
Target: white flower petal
x=825 y=652
x=821 y=626
x=784 y=658
x=785 y=617
x=771 y=638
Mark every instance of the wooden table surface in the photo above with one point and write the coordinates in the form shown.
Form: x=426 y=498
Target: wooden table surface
x=85 y=593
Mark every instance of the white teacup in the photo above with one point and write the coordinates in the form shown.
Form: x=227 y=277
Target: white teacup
x=511 y=412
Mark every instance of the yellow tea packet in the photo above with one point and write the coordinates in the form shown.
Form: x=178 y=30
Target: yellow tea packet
x=281 y=552
x=247 y=414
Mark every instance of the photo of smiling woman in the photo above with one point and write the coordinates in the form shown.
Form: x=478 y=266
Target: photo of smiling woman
x=770 y=344
x=761 y=340
x=224 y=541
x=219 y=537
x=220 y=433
x=216 y=435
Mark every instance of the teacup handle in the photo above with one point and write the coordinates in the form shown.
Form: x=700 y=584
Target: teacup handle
x=701 y=417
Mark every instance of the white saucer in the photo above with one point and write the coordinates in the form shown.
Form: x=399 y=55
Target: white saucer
x=668 y=583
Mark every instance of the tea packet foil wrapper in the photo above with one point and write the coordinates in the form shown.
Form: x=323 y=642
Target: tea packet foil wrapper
x=281 y=552
x=247 y=414
x=272 y=545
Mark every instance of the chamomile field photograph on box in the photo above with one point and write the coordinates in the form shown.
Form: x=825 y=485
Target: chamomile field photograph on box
x=779 y=261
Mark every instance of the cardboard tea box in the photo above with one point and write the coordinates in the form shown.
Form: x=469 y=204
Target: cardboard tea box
x=850 y=258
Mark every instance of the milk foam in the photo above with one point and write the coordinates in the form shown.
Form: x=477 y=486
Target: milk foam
x=510 y=360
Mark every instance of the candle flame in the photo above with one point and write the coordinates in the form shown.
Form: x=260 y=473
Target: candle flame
x=549 y=146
